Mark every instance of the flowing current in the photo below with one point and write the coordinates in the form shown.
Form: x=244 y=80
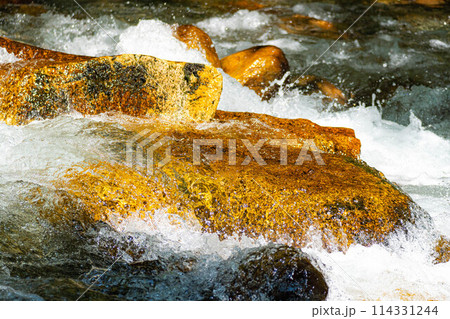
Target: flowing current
x=404 y=134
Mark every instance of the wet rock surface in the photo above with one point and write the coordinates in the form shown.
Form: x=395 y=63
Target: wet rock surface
x=51 y=83
x=257 y=68
x=335 y=203
x=195 y=38
x=312 y=84
x=273 y=272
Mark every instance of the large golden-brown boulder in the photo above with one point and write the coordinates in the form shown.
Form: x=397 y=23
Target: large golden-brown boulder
x=196 y=38
x=47 y=83
x=257 y=68
x=325 y=195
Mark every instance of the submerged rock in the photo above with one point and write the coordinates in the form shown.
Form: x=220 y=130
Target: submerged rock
x=6 y=2
x=257 y=68
x=273 y=272
x=247 y=4
x=229 y=6
x=304 y=25
x=20 y=7
x=427 y=3
x=313 y=84
x=47 y=83
x=196 y=38
x=325 y=195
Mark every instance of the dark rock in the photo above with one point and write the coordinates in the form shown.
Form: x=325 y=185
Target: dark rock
x=274 y=272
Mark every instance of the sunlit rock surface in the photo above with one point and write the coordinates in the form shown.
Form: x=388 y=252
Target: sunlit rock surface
x=50 y=83
x=196 y=38
x=335 y=205
x=257 y=68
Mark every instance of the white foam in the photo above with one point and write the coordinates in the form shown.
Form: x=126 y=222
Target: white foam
x=153 y=37
x=84 y=37
x=313 y=11
x=438 y=44
x=6 y=57
x=234 y=94
x=286 y=44
x=180 y=235
x=241 y=20
x=380 y=273
x=38 y=152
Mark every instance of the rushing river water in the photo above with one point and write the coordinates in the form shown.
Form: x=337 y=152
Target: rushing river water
x=395 y=63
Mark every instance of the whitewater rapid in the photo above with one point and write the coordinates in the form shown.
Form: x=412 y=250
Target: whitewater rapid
x=415 y=158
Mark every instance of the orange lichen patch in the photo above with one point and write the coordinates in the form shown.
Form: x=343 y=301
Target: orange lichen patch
x=334 y=140
x=338 y=204
x=256 y=68
x=196 y=38
x=301 y=24
x=312 y=84
x=442 y=251
x=135 y=85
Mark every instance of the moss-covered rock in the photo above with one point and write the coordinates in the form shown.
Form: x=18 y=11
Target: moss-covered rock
x=49 y=83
